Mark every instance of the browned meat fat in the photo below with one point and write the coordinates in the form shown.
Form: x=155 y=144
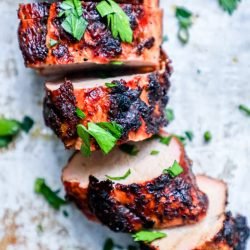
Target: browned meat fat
x=218 y=231
x=39 y=23
x=137 y=103
x=147 y=198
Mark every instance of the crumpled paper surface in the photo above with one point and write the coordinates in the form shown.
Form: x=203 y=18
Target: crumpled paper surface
x=211 y=78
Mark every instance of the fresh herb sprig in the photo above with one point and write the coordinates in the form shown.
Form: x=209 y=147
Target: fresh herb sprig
x=10 y=128
x=244 y=109
x=117 y=19
x=169 y=113
x=105 y=134
x=126 y=175
x=184 y=17
x=51 y=196
x=74 y=23
x=207 y=136
x=174 y=170
x=148 y=236
x=229 y=5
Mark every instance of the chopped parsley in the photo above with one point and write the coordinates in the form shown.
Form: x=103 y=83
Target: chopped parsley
x=10 y=128
x=52 y=43
x=74 y=23
x=174 y=170
x=165 y=39
x=51 y=196
x=189 y=135
x=120 y=177
x=106 y=135
x=110 y=84
x=245 y=109
x=116 y=63
x=169 y=113
x=80 y=113
x=184 y=17
x=108 y=244
x=155 y=152
x=229 y=5
x=117 y=20
x=129 y=149
x=207 y=136
x=148 y=236
x=165 y=139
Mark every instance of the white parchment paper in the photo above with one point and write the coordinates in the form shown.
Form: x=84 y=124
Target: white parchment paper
x=211 y=78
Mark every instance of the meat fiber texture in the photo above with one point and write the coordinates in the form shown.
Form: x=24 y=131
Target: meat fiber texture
x=39 y=23
x=210 y=81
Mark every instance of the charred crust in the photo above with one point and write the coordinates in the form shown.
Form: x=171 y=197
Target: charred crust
x=32 y=40
x=61 y=51
x=153 y=204
x=59 y=111
x=147 y=44
x=234 y=233
x=128 y=110
x=33 y=10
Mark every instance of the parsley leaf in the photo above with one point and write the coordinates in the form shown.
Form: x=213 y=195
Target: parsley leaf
x=184 y=17
x=148 y=236
x=189 y=135
x=169 y=113
x=106 y=135
x=80 y=113
x=165 y=139
x=74 y=23
x=229 y=5
x=120 y=177
x=117 y=20
x=27 y=124
x=207 y=136
x=174 y=170
x=52 y=42
x=245 y=109
x=129 y=149
x=110 y=85
x=155 y=152
x=51 y=196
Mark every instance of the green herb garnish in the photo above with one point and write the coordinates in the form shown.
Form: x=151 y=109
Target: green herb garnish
x=229 y=5
x=165 y=139
x=129 y=149
x=165 y=39
x=80 y=113
x=51 y=196
x=207 y=136
x=116 y=63
x=120 y=177
x=155 y=152
x=189 y=135
x=27 y=124
x=148 y=236
x=106 y=135
x=74 y=23
x=10 y=128
x=169 y=113
x=53 y=42
x=117 y=19
x=108 y=244
x=184 y=18
x=110 y=85
x=174 y=170
x=245 y=109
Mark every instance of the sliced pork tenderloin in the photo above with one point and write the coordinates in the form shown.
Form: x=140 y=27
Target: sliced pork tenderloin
x=40 y=24
x=136 y=103
x=218 y=231
x=147 y=198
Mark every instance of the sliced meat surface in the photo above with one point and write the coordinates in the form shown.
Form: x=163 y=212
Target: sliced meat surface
x=147 y=198
x=137 y=103
x=39 y=24
x=218 y=231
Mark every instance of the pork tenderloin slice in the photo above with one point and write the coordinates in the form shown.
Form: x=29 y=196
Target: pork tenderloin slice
x=147 y=198
x=137 y=103
x=41 y=10
x=218 y=231
x=96 y=49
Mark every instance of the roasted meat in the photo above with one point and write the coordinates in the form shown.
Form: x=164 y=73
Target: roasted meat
x=39 y=24
x=147 y=198
x=137 y=103
x=218 y=231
